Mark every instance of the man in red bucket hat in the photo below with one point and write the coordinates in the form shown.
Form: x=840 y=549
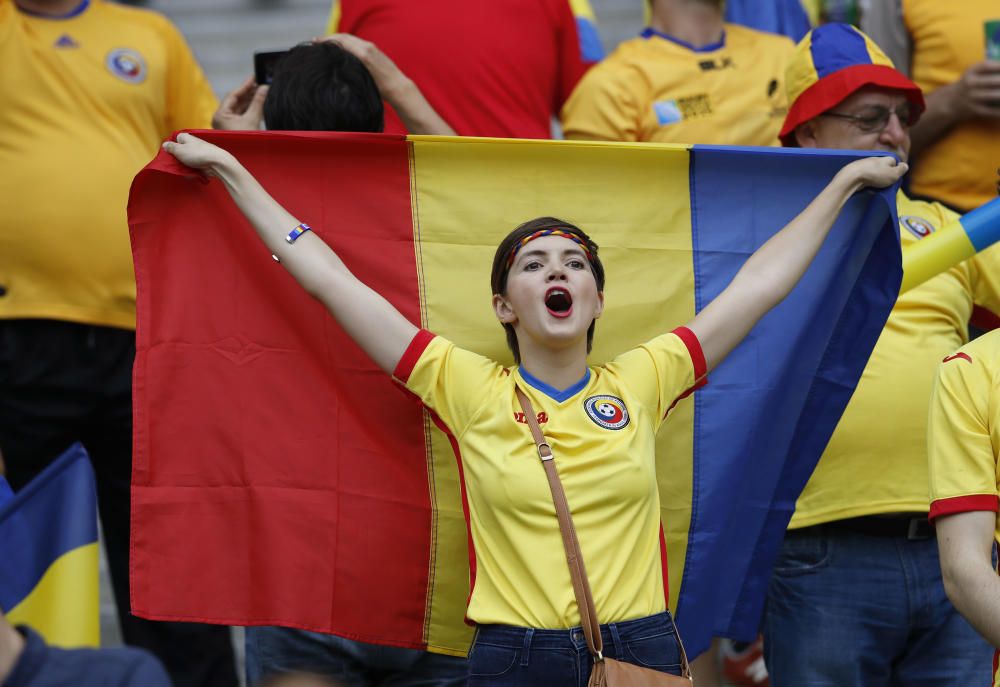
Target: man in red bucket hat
x=857 y=596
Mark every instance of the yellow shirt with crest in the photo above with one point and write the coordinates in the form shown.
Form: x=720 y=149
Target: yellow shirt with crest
x=964 y=434
x=602 y=432
x=655 y=88
x=85 y=100
x=876 y=461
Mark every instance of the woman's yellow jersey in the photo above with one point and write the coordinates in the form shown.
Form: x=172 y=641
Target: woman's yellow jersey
x=602 y=431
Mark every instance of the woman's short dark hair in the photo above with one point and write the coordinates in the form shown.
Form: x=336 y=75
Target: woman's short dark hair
x=498 y=277
x=322 y=87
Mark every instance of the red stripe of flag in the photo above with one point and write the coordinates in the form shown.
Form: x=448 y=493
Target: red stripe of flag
x=296 y=444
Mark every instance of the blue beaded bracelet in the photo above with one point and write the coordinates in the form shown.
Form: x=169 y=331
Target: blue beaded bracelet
x=293 y=236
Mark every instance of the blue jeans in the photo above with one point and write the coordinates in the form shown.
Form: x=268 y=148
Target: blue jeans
x=850 y=609
x=504 y=655
x=275 y=650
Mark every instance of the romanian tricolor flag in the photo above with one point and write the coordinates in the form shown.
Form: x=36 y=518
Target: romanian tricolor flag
x=49 y=555
x=281 y=478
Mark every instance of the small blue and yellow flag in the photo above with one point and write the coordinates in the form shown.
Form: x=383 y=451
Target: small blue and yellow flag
x=48 y=570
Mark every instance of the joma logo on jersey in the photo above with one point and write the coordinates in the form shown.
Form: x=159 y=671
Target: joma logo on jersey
x=608 y=412
x=541 y=418
x=917 y=226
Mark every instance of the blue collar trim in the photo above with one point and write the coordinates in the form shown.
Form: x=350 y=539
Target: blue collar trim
x=552 y=392
x=75 y=12
x=649 y=32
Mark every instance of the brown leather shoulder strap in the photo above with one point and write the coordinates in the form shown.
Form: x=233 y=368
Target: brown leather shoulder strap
x=577 y=572
x=574 y=557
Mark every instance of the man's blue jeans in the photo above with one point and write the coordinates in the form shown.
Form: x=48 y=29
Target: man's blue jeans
x=851 y=609
x=275 y=650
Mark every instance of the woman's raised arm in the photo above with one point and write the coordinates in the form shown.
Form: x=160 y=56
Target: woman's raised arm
x=775 y=268
x=374 y=323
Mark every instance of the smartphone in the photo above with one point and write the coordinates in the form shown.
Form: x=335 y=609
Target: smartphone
x=263 y=65
x=992 y=29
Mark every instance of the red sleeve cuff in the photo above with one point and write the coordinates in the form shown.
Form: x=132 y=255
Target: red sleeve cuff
x=963 y=504
x=697 y=358
x=697 y=361
x=697 y=355
x=412 y=354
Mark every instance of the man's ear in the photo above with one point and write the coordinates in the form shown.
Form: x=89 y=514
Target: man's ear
x=504 y=311
x=805 y=135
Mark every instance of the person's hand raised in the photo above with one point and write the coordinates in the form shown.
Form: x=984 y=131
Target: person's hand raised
x=389 y=79
x=198 y=154
x=876 y=172
x=242 y=109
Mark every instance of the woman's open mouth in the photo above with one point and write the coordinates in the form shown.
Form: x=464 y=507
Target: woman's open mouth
x=558 y=302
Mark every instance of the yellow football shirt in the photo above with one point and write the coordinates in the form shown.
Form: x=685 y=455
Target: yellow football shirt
x=947 y=38
x=655 y=88
x=876 y=461
x=85 y=101
x=963 y=438
x=602 y=431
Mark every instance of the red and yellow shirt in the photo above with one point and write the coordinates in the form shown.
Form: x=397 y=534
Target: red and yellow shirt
x=964 y=430
x=499 y=68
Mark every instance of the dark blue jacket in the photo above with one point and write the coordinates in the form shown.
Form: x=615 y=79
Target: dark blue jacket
x=43 y=666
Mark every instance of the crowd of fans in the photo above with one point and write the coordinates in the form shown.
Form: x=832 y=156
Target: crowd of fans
x=91 y=88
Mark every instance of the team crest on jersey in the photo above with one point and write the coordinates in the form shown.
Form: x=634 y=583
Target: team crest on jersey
x=608 y=412
x=127 y=65
x=917 y=226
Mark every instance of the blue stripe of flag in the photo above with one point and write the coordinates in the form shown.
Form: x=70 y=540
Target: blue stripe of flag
x=771 y=407
x=52 y=515
x=982 y=225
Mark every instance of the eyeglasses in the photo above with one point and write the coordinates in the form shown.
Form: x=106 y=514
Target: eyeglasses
x=875 y=118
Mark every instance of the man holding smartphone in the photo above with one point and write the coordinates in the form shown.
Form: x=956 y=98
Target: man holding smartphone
x=944 y=47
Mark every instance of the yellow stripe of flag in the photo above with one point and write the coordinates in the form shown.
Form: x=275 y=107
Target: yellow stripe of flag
x=459 y=218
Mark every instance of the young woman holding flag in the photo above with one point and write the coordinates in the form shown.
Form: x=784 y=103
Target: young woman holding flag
x=600 y=422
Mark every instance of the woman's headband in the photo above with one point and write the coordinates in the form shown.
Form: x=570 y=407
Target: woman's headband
x=549 y=232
